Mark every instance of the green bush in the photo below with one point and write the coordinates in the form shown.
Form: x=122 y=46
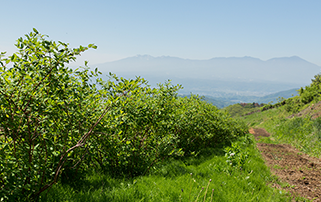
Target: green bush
x=55 y=120
x=293 y=105
x=138 y=132
x=150 y=125
x=47 y=112
x=311 y=92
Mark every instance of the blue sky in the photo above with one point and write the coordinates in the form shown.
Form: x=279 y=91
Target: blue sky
x=193 y=29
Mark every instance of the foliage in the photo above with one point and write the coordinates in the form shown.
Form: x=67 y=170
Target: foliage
x=235 y=110
x=317 y=128
x=236 y=155
x=58 y=121
x=301 y=132
x=242 y=109
x=139 y=131
x=177 y=180
x=202 y=125
x=316 y=80
x=293 y=105
x=151 y=125
x=306 y=95
x=47 y=113
x=311 y=92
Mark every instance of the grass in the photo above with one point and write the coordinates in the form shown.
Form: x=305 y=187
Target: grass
x=207 y=177
x=303 y=133
x=203 y=178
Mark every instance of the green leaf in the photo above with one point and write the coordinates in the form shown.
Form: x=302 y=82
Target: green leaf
x=92 y=46
x=36 y=31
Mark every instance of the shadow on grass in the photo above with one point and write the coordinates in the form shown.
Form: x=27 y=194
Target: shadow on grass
x=170 y=168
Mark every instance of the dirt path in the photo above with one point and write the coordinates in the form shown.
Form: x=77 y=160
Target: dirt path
x=301 y=173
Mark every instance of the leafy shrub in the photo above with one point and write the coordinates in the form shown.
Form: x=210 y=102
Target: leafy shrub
x=55 y=120
x=235 y=110
x=243 y=109
x=138 y=132
x=47 y=111
x=266 y=107
x=236 y=155
x=151 y=125
x=202 y=125
x=311 y=92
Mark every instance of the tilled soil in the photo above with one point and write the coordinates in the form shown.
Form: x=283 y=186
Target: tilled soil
x=300 y=172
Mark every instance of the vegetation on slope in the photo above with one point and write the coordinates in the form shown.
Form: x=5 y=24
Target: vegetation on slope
x=295 y=121
x=55 y=121
x=241 y=109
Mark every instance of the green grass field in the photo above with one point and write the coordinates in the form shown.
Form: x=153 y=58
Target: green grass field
x=207 y=177
x=304 y=133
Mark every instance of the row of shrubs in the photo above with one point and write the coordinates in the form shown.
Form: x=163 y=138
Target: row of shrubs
x=56 y=121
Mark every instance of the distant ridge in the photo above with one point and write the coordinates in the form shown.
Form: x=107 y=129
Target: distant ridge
x=227 y=74
x=286 y=69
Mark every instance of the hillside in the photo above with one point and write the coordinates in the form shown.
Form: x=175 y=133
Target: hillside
x=288 y=135
x=274 y=96
x=231 y=99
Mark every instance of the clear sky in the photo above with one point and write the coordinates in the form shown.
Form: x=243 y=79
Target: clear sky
x=192 y=29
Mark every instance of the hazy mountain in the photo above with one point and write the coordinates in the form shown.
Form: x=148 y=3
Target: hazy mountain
x=241 y=75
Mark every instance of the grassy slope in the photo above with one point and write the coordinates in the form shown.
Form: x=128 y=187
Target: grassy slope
x=167 y=182
x=273 y=97
x=237 y=110
x=301 y=132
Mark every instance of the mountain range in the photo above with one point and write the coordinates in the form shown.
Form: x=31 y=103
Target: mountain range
x=218 y=76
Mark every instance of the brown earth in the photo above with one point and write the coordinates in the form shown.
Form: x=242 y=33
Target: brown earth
x=300 y=173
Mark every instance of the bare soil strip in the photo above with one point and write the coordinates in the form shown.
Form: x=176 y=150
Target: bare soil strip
x=301 y=172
